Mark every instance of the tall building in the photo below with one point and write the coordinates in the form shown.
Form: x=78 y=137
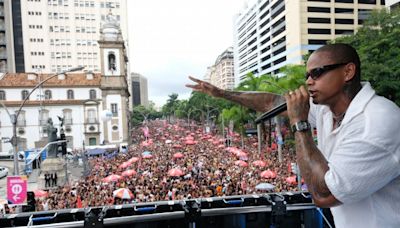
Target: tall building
x=81 y=98
x=221 y=74
x=6 y=41
x=269 y=34
x=55 y=35
x=139 y=94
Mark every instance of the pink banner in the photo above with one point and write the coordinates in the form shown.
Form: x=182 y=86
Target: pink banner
x=17 y=189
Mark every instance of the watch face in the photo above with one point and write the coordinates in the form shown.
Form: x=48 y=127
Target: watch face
x=303 y=126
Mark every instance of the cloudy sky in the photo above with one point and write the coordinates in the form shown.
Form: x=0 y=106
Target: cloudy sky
x=170 y=40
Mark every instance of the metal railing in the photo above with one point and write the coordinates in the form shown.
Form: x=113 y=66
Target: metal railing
x=295 y=206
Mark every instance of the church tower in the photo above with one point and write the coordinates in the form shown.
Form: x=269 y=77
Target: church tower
x=114 y=86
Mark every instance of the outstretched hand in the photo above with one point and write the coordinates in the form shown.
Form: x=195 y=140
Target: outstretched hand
x=204 y=87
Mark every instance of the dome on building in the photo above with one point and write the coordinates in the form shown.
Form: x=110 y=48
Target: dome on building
x=110 y=30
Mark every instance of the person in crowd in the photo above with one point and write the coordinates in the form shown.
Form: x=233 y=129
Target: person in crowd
x=47 y=180
x=354 y=169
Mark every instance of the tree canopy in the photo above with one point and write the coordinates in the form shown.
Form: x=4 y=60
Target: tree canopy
x=378 y=44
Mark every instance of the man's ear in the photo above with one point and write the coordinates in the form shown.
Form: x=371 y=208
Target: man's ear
x=350 y=71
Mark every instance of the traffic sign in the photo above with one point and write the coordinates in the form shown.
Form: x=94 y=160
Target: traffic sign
x=17 y=189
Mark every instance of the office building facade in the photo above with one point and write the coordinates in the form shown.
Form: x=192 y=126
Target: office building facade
x=269 y=34
x=139 y=88
x=50 y=36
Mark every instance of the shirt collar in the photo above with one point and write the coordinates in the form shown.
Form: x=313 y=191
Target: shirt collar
x=359 y=102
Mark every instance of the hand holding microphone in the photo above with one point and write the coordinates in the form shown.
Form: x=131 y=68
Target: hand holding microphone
x=298 y=99
x=298 y=105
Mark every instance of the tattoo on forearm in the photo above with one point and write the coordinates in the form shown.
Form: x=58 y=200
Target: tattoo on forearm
x=313 y=165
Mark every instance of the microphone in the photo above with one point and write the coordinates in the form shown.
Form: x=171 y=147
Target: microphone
x=272 y=113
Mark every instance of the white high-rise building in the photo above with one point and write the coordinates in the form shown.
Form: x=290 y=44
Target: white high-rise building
x=55 y=35
x=270 y=34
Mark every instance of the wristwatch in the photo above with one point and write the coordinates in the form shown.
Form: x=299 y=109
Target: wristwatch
x=301 y=126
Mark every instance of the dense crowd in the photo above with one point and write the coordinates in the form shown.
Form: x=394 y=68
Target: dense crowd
x=208 y=169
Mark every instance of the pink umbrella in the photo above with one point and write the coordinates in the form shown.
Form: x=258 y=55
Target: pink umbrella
x=128 y=173
x=240 y=153
x=189 y=138
x=125 y=165
x=112 y=178
x=268 y=174
x=40 y=193
x=259 y=163
x=221 y=146
x=175 y=172
x=190 y=142
x=241 y=163
x=178 y=155
x=291 y=180
x=176 y=146
x=133 y=159
x=147 y=156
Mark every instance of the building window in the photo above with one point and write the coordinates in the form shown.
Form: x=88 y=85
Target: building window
x=67 y=113
x=319 y=20
x=24 y=94
x=319 y=9
x=92 y=94
x=47 y=95
x=70 y=94
x=111 y=62
x=319 y=31
x=21 y=121
x=2 y=95
x=114 y=110
x=91 y=116
x=43 y=116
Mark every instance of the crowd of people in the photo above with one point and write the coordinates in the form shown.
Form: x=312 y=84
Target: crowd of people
x=208 y=168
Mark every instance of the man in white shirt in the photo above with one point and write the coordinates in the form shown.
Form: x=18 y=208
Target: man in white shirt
x=355 y=169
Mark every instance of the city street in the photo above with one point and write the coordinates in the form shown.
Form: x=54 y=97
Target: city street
x=74 y=170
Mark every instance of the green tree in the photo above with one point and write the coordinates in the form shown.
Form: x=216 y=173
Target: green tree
x=140 y=113
x=378 y=44
x=172 y=103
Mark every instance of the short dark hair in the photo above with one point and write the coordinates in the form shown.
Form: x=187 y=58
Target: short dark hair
x=343 y=53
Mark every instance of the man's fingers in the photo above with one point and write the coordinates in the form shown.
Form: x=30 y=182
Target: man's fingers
x=195 y=79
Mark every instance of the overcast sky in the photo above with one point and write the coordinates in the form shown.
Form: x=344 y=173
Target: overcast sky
x=172 y=39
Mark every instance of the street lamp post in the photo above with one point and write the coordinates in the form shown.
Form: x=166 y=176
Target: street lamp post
x=14 y=116
x=190 y=112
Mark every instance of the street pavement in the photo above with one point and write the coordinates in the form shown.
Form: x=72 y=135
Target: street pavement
x=74 y=170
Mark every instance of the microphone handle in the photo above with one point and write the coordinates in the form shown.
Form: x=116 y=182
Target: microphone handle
x=272 y=113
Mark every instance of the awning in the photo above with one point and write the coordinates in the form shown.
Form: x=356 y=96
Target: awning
x=96 y=151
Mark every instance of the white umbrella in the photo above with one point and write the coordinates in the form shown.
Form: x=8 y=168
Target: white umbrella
x=123 y=193
x=265 y=186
